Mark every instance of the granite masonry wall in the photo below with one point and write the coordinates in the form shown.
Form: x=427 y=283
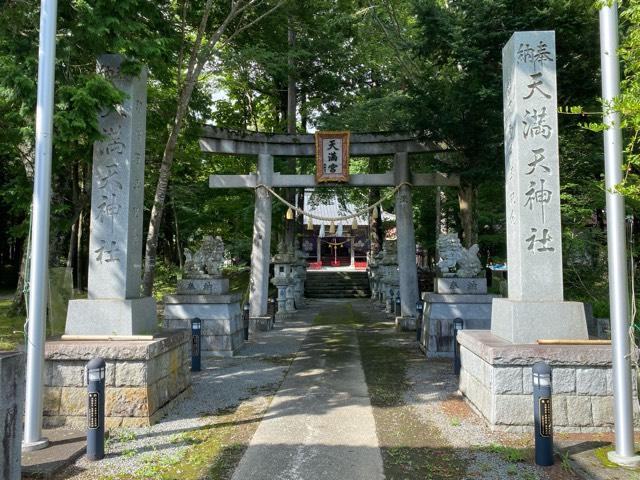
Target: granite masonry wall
x=495 y=378
x=222 y=324
x=143 y=378
x=12 y=370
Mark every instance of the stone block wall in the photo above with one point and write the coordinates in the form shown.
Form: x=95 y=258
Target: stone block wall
x=495 y=378
x=12 y=386
x=142 y=379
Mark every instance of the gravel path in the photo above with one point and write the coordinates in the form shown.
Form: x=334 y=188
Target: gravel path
x=224 y=383
x=433 y=396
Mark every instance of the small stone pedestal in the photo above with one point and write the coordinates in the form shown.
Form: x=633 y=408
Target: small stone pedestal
x=219 y=311
x=204 y=293
x=495 y=378
x=259 y=324
x=12 y=368
x=454 y=297
x=406 y=324
x=144 y=378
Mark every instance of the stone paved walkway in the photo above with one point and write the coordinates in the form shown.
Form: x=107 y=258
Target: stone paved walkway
x=320 y=424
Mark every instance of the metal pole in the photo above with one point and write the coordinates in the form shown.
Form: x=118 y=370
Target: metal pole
x=624 y=453
x=40 y=230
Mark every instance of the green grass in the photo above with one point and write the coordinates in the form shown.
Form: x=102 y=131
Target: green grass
x=412 y=450
x=602 y=455
x=11 y=327
x=508 y=454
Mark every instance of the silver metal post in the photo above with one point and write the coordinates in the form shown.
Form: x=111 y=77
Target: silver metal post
x=624 y=453
x=38 y=284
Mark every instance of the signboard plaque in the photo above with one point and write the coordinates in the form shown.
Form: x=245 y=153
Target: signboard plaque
x=545 y=417
x=332 y=157
x=93 y=410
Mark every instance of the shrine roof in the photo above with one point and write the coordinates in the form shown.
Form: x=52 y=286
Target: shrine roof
x=330 y=208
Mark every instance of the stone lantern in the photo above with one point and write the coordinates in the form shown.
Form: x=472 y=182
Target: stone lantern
x=390 y=278
x=283 y=279
x=300 y=268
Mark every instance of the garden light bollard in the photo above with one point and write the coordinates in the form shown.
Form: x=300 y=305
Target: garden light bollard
x=245 y=320
x=398 y=310
x=95 y=371
x=542 y=417
x=458 y=324
x=196 y=343
x=420 y=316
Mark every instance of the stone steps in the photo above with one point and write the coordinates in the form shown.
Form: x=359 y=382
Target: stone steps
x=337 y=285
x=338 y=295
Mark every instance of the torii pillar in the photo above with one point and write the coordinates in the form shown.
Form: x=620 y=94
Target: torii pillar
x=261 y=251
x=409 y=293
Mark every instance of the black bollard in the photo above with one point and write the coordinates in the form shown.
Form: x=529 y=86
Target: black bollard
x=95 y=372
x=419 y=315
x=245 y=320
x=542 y=417
x=274 y=310
x=196 y=343
x=458 y=324
x=398 y=309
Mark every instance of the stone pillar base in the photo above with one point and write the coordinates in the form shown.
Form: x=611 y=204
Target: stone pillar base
x=260 y=324
x=406 y=324
x=526 y=322
x=495 y=378
x=112 y=316
x=222 y=328
x=143 y=379
x=440 y=310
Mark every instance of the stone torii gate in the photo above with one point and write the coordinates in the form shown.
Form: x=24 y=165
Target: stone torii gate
x=265 y=146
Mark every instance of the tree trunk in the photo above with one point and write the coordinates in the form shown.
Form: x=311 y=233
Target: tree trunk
x=18 y=306
x=72 y=254
x=467 y=194
x=375 y=224
x=198 y=58
x=290 y=225
x=196 y=63
x=175 y=224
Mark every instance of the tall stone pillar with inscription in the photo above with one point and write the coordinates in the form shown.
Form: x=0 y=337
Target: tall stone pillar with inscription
x=535 y=307
x=114 y=305
x=496 y=366
x=146 y=369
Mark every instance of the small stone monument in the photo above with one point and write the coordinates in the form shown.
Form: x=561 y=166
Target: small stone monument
x=460 y=292
x=203 y=292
